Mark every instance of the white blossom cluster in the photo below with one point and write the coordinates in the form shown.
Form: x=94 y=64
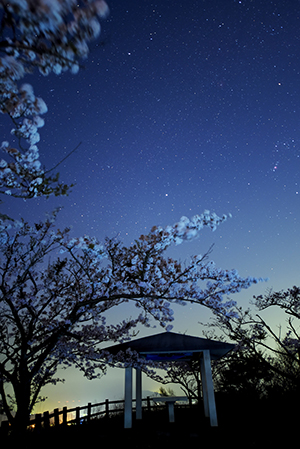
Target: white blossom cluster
x=51 y=35
x=26 y=166
x=185 y=229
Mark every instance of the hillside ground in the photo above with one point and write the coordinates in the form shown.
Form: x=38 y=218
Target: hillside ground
x=241 y=424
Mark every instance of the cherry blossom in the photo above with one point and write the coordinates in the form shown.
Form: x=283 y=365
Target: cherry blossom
x=51 y=36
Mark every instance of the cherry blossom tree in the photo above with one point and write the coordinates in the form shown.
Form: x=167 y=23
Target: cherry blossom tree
x=186 y=374
x=276 y=349
x=57 y=293
x=51 y=36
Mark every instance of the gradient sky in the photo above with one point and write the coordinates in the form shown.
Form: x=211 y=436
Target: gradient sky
x=181 y=107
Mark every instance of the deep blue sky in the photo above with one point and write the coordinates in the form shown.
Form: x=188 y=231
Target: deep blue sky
x=184 y=106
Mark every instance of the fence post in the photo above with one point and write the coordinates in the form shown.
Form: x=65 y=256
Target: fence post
x=46 y=420
x=148 y=404
x=77 y=416
x=106 y=408
x=56 y=417
x=65 y=416
x=89 y=408
x=38 y=421
x=4 y=428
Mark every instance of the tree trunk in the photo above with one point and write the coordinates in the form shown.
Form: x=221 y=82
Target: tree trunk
x=22 y=416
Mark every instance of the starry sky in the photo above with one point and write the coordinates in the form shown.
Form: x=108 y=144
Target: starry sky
x=182 y=107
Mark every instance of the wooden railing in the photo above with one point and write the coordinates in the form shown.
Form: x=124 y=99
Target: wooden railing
x=79 y=415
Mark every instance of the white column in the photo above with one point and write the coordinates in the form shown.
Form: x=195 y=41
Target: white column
x=128 y=398
x=138 y=393
x=208 y=389
x=204 y=391
x=171 y=411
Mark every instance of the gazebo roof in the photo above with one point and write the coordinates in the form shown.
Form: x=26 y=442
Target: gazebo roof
x=172 y=346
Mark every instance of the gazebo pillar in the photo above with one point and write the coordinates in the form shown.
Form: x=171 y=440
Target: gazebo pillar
x=138 y=393
x=208 y=389
x=128 y=398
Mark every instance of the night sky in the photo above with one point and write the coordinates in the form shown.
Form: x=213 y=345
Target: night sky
x=182 y=107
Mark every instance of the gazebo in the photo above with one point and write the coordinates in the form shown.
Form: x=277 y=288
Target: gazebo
x=169 y=346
